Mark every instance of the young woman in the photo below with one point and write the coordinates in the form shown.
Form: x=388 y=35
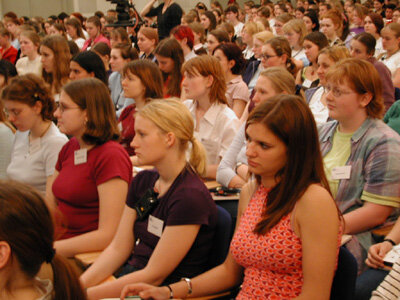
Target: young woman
x=185 y=37
x=58 y=29
x=363 y=47
x=38 y=141
x=55 y=59
x=232 y=62
x=174 y=239
x=199 y=38
x=142 y=81
x=216 y=37
x=311 y=21
x=332 y=25
x=13 y=26
x=119 y=36
x=282 y=151
x=359 y=14
x=26 y=244
x=208 y=20
x=373 y=24
x=74 y=29
x=92 y=170
x=147 y=42
x=102 y=50
x=315 y=97
x=169 y=55
x=87 y=64
x=276 y=52
x=6 y=142
x=93 y=27
x=314 y=42
x=280 y=21
x=233 y=169
x=7 y=50
x=295 y=31
x=358 y=142
x=121 y=54
x=248 y=32
x=31 y=62
x=391 y=43
x=215 y=123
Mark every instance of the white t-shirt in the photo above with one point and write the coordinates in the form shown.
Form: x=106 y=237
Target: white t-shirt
x=379 y=48
x=319 y=110
x=24 y=66
x=216 y=130
x=6 y=145
x=32 y=163
x=238 y=29
x=79 y=42
x=393 y=62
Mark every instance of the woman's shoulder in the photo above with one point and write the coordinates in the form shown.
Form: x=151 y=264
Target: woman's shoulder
x=315 y=198
x=5 y=130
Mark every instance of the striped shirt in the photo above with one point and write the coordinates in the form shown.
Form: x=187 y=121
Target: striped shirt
x=389 y=289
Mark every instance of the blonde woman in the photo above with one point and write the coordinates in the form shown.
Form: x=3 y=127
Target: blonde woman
x=248 y=32
x=295 y=31
x=183 y=219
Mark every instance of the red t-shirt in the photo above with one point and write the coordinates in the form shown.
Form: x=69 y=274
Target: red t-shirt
x=10 y=54
x=75 y=187
x=127 y=121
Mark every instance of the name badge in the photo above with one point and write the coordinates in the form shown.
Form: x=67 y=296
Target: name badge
x=155 y=226
x=307 y=83
x=34 y=146
x=341 y=172
x=80 y=156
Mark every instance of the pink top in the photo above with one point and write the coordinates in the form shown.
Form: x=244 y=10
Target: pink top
x=272 y=262
x=91 y=43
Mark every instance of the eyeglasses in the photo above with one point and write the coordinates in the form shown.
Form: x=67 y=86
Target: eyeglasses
x=12 y=112
x=336 y=92
x=63 y=108
x=266 y=56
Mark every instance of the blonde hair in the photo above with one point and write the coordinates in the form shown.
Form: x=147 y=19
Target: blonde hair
x=281 y=79
x=263 y=36
x=253 y=27
x=336 y=53
x=171 y=115
x=298 y=26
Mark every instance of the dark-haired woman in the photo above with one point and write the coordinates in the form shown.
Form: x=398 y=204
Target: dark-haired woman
x=232 y=62
x=282 y=143
x=38 y=141
x=87 y=64
x=92 y=172
x=26 y=243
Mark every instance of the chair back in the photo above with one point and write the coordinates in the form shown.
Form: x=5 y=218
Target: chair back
x=222 y=238
x=344 y=282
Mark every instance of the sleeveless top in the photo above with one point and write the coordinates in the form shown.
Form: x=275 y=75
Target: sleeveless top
x=272 y=262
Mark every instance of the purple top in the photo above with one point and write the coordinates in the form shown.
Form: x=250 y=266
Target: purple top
x=187 y=201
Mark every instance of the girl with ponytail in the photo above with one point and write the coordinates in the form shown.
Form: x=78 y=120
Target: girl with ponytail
x=26 y=242
x=173 y=238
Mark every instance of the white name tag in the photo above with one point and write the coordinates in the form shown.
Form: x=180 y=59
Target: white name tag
x=341 y=172
x=155 y=226
x=80 y=156
x=34 y=146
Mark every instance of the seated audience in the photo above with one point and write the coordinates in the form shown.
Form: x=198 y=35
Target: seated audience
x=7 y=51
x=295 y=31
x=75 y=32
x=390 y=41
x=31 y=62
x=87 y=64
x=282 y=151
x=332 y=25
x=373 y=24
x=175 y=238
x=93 y=27
x=147 y=42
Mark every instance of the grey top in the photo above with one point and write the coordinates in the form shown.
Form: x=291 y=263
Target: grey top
x=6 y=145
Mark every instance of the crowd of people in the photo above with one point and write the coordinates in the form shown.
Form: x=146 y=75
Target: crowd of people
x=109 y=131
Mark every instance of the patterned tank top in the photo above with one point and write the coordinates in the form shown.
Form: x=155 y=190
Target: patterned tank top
x=272 y=262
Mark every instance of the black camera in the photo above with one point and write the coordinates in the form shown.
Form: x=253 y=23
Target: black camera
x=146 y=204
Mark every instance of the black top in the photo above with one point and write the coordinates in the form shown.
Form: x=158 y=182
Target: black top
x=168 y=20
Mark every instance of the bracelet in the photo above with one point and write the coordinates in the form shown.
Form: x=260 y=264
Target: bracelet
x=189 y=284
x=390 y=241
x=171 y=293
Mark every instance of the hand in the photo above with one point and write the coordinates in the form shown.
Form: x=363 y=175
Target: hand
x=376 y=253
x=145 y=291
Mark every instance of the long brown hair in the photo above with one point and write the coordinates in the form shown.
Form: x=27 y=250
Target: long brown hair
x=289 y=118
x=27 y=227
x=62 y=58
x=93 y=95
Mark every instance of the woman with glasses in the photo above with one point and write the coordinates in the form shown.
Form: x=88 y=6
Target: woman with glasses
x=93 y=170
x=360 y=152
x=30 y=106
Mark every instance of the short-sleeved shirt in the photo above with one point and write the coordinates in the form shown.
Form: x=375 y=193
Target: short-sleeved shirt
x=75 y=187
x=126 y=123
x=374 y=161
x=392 y=62
x=216 y=130
x=167 y=20
x=237 y=89
x=186 y=202
x=32 y=164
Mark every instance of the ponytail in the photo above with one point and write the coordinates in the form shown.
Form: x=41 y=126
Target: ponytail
x=198 y=158
x=65 y=280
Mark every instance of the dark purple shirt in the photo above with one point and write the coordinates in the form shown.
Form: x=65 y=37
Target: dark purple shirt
x=186 y=202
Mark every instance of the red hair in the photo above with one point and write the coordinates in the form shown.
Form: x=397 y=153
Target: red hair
x=180 y=32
